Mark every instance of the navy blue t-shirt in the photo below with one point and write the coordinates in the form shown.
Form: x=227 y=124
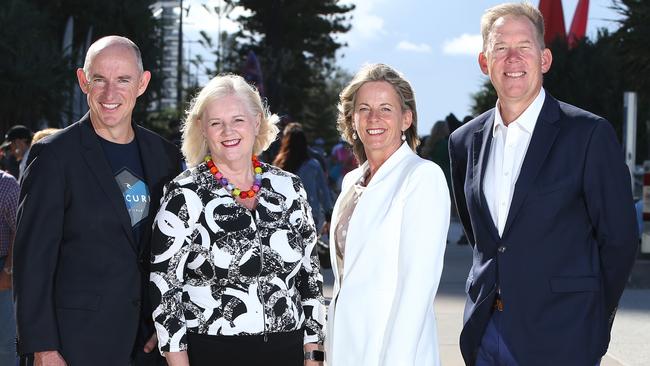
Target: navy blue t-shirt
x=126 y=164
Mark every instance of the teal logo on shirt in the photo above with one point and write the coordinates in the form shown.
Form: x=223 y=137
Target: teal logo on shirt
x=136 y=195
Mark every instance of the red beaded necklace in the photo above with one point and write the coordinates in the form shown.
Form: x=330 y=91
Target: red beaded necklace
x=234 y=191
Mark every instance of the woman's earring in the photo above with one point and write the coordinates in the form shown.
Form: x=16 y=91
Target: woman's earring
x=354 y=135
x=403 y=136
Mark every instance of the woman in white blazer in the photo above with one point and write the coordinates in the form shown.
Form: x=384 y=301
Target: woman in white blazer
x=388 y=231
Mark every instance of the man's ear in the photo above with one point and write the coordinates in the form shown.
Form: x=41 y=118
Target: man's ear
x=483 y=63
x=547 y=60
x=144 y=82
x=83 y=80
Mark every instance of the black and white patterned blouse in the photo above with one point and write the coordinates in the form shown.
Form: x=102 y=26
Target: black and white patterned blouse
x=206 y=256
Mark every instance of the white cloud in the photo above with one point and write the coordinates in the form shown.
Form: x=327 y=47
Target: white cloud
x=466 y=44
x=200 y=19
x=366 y=24
x=412 y=47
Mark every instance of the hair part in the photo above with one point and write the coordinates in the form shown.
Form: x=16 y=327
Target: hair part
x=194 y=146
x=523 y=9
x=347 y=99
x=109 y=41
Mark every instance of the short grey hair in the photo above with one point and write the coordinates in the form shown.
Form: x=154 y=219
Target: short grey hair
x=524 y=9
x=108 y=41
x=194 y=146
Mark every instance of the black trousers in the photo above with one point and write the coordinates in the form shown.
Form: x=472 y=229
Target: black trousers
x=279 y=349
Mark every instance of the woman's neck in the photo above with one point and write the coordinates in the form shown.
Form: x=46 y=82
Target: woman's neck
x=239 y=173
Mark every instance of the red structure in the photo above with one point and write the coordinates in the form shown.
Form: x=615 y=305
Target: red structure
x=553 y=20
x=579 y=23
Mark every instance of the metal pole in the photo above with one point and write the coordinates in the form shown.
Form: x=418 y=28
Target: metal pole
x=179 y=74
x=629 y=105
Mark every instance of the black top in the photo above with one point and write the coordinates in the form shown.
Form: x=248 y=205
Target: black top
x=126 y=164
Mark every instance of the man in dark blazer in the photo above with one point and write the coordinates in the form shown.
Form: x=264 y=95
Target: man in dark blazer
x=87 y=202
x=544 y=196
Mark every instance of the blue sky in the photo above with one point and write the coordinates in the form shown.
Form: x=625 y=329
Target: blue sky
x=435 y=43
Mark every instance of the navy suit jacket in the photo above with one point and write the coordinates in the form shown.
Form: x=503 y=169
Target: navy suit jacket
x=79 y=274
x=569 y=241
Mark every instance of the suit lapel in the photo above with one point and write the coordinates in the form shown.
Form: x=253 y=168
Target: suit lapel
x=98 y=165
x=482 y=142
x=540 y=144
x=151 y=163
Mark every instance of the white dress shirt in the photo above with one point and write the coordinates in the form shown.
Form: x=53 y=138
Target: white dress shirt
x=507 y=152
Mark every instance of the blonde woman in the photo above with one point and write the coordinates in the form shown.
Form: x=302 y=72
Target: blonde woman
x=235 y=281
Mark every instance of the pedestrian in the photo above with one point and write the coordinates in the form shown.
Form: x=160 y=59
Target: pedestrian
x=388 y=230
x=19 y=140
x=9 y=191
x=87 y=203
x=544 y=196
x=235 y=280
x=294 y=157
x=39 y=135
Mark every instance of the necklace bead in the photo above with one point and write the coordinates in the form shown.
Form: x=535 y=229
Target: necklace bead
x=234 y=191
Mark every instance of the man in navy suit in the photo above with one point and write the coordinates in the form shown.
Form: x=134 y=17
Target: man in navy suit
x=87 y=202
x=544 y=196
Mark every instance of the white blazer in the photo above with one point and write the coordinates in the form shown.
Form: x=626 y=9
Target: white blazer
x=383 y=313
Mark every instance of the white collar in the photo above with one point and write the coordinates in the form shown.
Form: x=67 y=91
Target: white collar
x=526 y=120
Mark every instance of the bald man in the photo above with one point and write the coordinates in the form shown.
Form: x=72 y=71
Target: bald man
x=86 y=205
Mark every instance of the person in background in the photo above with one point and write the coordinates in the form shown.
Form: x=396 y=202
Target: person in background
x=9 y=192
x=342 y=161
x=294 y=157
x=19 y=139
x=234 y=278
x=86 y=207
x=544 y=195
x=39 y=135
x=388 y=231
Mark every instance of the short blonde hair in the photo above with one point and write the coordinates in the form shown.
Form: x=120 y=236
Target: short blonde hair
x=524 y=9
x=347 y=98
x=194 y=146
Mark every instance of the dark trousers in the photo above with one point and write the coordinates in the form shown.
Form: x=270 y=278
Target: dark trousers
x=280 y=349
x=493 y=350
x=140 y=359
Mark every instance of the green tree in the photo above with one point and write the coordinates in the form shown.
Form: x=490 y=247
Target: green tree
x=38 y=78
x=32 y=67
x=634 y=35
x=634 y=38
x=295 y=43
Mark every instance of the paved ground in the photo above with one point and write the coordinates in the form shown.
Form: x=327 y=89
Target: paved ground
x=630 y=334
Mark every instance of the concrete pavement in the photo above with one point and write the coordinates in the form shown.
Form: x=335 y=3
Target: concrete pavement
x=630 y=334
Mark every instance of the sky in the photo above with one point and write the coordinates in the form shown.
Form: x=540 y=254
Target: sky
x=434 y=43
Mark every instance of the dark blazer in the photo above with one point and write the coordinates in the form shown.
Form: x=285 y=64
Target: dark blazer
x=569 y=241
x=79 y=274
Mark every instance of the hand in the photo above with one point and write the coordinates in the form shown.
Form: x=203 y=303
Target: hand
x=151 y=343
x=49 y=358
x=5 y=280
x=177 y=358
x=313 y=363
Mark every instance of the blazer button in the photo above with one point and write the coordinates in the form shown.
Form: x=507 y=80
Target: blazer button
x=502 y=249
